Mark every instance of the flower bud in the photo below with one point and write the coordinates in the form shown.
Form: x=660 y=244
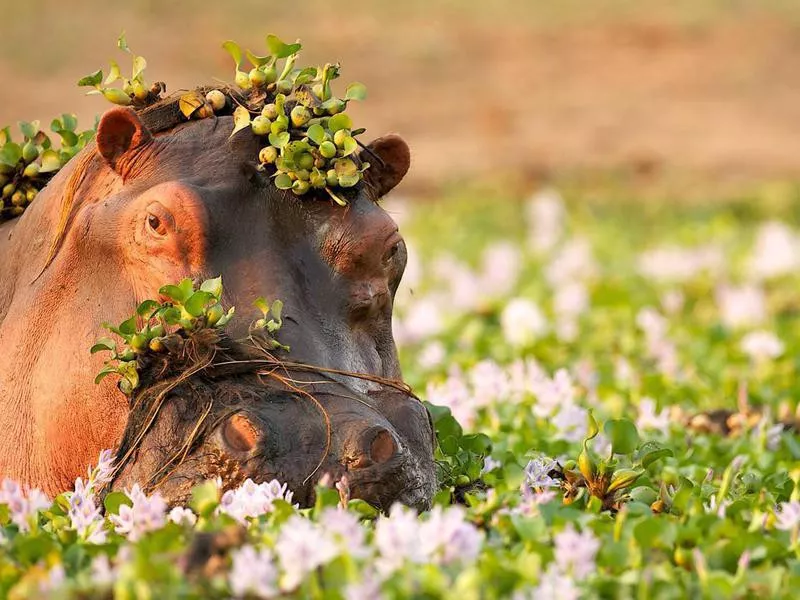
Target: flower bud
x=623 y=478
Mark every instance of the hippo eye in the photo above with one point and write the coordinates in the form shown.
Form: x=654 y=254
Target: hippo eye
x=155 y=224
x=392 y=252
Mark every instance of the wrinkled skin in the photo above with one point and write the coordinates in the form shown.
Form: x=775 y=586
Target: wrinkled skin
x=151 y=209
x=236 y=422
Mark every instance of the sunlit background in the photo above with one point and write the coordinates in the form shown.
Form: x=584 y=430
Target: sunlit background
x=690 y=94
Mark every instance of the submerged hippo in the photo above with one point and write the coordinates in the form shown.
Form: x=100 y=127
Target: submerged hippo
x=229 y=410
x=157 y=199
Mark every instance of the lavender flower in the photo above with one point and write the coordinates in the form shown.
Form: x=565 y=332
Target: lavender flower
x=253 y=500
x=22 y=508
x=555 y=585
x=253 y=572
x=446 y=537
x=787 y=517
x=302 y=546
x=345 y=529
x=183 y=516
x=575 y=552
x=369 y=588
x=397 y=539
x=537 y=473
x=147 y=514
x=522 y=322
x=85 y=516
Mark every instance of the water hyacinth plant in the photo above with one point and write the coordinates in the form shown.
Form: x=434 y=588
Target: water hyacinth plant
x=639 y=440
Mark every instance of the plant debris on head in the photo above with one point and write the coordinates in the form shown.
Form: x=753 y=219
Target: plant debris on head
x=309 y=141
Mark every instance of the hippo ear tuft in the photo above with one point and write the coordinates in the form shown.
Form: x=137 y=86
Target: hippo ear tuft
x=119 y=133
x=389 y=158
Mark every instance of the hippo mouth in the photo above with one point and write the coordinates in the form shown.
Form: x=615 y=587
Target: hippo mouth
x=227 y=410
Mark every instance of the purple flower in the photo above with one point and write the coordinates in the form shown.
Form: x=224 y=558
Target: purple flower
x=345 y=529
x=788 y=517
x=104 y=470
x=145 y=515
x=252 y=499
x=575 y=552
x=447 y=537
x=22 y=508
x=397 y=539
x=555 y=585
x=183 y=516
x=85 y=515
x=302 y=546
x=537 y=473
x=253 y=572
x=369 y=588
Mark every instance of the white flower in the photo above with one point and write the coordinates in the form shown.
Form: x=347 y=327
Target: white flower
x=787 y=517
x=446 y=537
x=570 y=423
x=423 y=320
x=545 y=216
x=183 y=516
x=369 y=588
x=571 y=299
x=555 y=585
x=649 y=419
x=345 y=529
x=490 y=464
x=253 y=500
x=741 y=306
x=672 y=301
x=302 y=546
x=103 y=574
x=22 y=507
x=144 y=515
x=762 y=345
x=575 y=552
x=253 y=572
x=501 y=266
x=573 y=262
x=537 y=473
x=675 y=264
x=432 y=355
x=53 y=580
x=776 y=251
x=397 y=538
x=522 y=322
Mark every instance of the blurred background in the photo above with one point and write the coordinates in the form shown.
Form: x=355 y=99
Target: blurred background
x=686 y=98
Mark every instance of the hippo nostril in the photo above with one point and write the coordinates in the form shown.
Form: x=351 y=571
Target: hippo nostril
x=240 y=434
x=383 y=447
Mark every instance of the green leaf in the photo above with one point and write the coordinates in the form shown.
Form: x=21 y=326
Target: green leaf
x=283 y=181
x=655 y=533
x=448 y=426
x=356 y=91
x=70 y=121
x=51 y=162
x=10 y=154
x=316 y=133
x=139 y=65
x=29 y=130
x=241 y=119
x=655 y=455
x=113 y=74
x=305 y=76
x=128 y=326
x=257 y=61
x=623 y=435
x=279 y=140
x=225 y=319
x=277 y=309
x=363 y=509
x=197 y=302
x=146 y=308
x=114 y=500
x=122 y=42
x=335 y=198
x=261 y=304
x=449 y=445
x=93 y=79
x=235 y=51
x=205 y=498
x=340 y=121
x=103 y=344
x=68 y=138
x=213 y=286
x=105 y=372
x=478 y=443
x=350 y=145
x=279 y=49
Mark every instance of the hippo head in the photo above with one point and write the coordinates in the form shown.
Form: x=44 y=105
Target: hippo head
x=159 y=199
x=214 y=408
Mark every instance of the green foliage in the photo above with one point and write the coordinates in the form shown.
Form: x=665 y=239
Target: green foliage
x=133 y=91
x=26 y=165
x=297 y=112
x=156 y=327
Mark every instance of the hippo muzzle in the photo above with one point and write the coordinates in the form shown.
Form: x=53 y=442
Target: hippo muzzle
x=238 y=418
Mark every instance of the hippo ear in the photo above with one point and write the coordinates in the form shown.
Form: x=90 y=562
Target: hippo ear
x=120 y=134
x=389 y=159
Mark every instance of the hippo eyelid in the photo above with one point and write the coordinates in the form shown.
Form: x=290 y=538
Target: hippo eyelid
x=158 y=220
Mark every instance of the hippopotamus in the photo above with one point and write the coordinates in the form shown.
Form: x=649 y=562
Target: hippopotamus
x=153 y=200
x=219 y=409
